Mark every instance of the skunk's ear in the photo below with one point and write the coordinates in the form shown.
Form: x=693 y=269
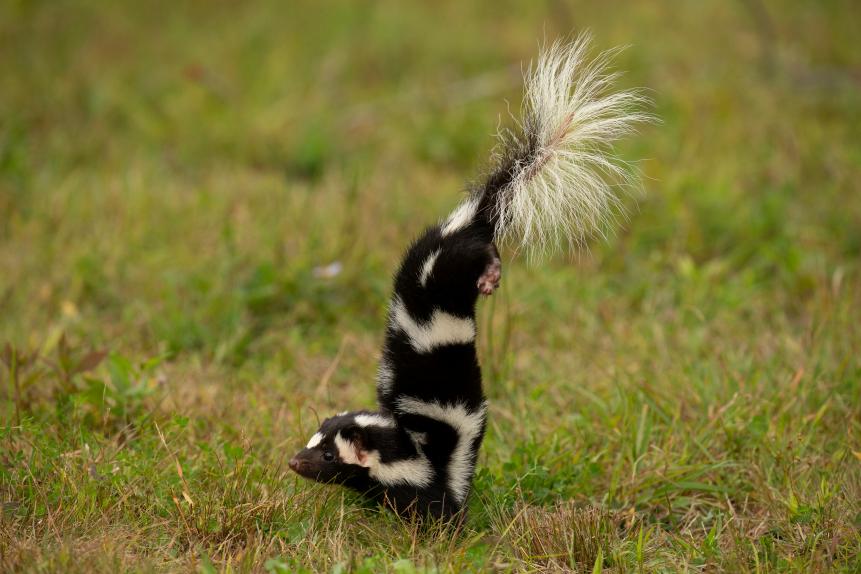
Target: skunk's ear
x=352 y=443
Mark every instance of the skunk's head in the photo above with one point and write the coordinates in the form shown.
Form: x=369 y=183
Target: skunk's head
x=339 y=450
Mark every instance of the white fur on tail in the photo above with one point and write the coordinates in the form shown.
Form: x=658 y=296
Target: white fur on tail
x=564 y=177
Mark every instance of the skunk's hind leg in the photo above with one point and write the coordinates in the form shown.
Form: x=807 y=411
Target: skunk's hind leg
x=488 y=281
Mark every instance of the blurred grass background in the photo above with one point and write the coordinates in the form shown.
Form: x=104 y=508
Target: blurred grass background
x=684 y=396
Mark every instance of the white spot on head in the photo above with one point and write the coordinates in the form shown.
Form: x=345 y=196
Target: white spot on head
x=374 y=420
x=442 y=329
x=468 y=426
x=316 y=438
x=427 y=267
x=461 y=216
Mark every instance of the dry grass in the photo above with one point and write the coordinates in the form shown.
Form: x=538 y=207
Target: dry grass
x=563 y=537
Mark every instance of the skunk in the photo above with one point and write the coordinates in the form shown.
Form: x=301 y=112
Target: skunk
x=552 y=184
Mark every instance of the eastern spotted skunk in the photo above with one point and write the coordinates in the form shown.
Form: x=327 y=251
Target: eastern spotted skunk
x=552 y=184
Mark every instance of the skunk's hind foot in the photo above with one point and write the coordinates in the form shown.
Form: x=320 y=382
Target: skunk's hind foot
x=489 y=280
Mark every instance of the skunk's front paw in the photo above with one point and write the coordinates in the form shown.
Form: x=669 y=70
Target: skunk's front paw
x=489 y=280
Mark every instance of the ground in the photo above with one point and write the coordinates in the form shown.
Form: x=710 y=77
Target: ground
x=202 y=204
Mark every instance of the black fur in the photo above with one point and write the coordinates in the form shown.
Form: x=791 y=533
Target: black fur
x=392 y=444
x=446 y=375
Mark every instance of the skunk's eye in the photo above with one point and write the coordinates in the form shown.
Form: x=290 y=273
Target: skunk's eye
x=328 y=456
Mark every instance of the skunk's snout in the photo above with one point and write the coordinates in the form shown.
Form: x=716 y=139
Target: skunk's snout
x=296 y=465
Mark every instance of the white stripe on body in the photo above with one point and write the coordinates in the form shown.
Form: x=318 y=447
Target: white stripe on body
x=468 y=426
x=414 y=471
x=385 y=376
x=461 y=216
x=376 y=420
x=427 y=267
x=442 y=329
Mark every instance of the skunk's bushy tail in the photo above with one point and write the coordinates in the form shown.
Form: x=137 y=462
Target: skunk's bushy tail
x=556 y=177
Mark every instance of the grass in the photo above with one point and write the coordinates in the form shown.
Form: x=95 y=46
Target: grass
x=683 y=397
